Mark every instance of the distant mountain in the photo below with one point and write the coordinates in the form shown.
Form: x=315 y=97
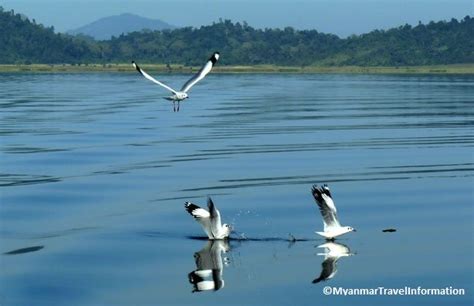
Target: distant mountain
x=107 y=27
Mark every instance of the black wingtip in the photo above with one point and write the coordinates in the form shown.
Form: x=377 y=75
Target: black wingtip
x=210 y=203
x=190 y=207
x=186 y=206
x=326 y=190
x=315 y=190
x=214 y=58
x=319 y=191
x=317 y=280
x=136 y=67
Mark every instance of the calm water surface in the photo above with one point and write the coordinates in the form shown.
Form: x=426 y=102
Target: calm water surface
x=95 y=169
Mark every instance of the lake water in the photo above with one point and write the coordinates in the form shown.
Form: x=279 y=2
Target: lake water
x=95 y=170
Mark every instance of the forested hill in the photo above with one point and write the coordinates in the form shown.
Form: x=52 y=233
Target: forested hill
x=24 y=41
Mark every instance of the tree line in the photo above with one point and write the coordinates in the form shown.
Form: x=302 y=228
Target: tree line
x=444 y=42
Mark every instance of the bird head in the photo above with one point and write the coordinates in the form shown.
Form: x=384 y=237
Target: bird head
x=227 y=228
x=350 y=229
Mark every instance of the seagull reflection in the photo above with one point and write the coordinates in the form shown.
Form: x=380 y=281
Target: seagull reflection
x=209 y=266
x=333 y=251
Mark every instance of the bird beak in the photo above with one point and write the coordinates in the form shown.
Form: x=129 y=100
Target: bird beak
x=354 y=230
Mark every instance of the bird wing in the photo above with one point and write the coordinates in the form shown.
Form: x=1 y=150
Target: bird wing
x=201 y=73
x=199 y=281
x=200 y=215
x=215 y=218
x=326 y=205
x=149 y=77
x=217 y=278
x=329 y=269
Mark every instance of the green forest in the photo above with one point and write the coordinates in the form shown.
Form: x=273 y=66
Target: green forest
x=23 y=41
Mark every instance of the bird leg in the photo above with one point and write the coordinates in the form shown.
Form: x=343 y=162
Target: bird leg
x=174 y=106
x=178 y=105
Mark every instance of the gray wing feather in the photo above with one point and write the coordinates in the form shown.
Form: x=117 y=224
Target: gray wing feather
x=215 y=218
x=329 y=269
x=149 y=77
x=328 y=211
x=200 y=215
x=201 y=73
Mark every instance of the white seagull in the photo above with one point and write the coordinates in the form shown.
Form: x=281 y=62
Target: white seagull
x=209 y=220
x=209 y=266
x=183 y=93
x=334 y=251
x=332 y=227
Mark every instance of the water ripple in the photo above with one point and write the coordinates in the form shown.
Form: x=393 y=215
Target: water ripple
x=11 y=180
x=402 y=173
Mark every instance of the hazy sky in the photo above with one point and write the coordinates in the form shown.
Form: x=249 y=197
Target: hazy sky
x=341 y=17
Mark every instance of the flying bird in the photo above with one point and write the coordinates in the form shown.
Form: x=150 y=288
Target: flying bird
x=180 y=95
x=332 y=227
x=334 y=251
x=209 y=266
x=209 y=220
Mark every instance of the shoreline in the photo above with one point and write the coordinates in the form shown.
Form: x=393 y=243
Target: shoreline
x=127 y=68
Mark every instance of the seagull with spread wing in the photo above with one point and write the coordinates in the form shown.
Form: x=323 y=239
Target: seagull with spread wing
x=209 y=220
x=332 y=227
x=180 y=95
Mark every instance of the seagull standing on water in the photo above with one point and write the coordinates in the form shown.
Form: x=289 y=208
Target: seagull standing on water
x=334 y=251
x=332 y=227
x=209 y=266
x=182 y=94
x=209 y=220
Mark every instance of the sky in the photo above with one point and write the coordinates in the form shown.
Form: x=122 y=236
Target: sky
x=341 y=17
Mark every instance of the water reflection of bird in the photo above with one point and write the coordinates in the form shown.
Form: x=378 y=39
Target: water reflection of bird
x=209 y=266
x=334 y=251
x=332 y=227
x=183 y=93
x=209 y=220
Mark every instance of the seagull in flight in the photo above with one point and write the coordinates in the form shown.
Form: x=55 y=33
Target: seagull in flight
x=182 y=94
x=209 y=220
x=334 y=251
x=209 y=266
x=332 y=227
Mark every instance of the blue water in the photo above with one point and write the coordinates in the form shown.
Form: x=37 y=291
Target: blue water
x=95 y=170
